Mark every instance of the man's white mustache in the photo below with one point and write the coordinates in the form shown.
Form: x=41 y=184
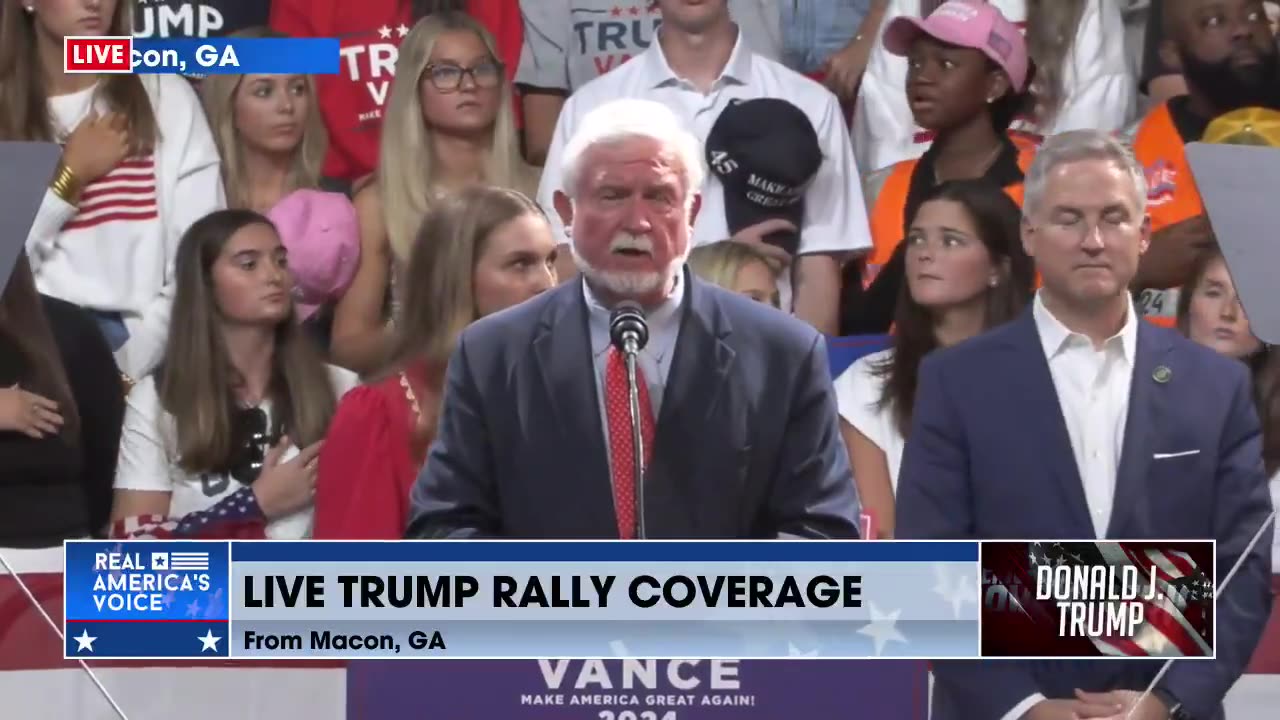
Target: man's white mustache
x=627 y=241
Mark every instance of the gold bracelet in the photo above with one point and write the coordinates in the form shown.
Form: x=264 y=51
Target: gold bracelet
x=65 y=185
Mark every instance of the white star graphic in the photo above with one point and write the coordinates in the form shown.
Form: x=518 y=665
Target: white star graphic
x=384 y=32
x=84 y=641
x=795 y=652
x=209 y=641
x=966 y=592
x=882 y=628
x=955 y=591
x=402 y=30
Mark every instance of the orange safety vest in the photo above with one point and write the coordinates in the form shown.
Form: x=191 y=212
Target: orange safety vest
x=891 y=202
x=1171 y=196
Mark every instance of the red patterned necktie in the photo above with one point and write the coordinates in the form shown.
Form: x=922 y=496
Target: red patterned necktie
x=618 y=411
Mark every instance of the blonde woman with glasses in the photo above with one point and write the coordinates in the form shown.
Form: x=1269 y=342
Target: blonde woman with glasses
x=448 y=125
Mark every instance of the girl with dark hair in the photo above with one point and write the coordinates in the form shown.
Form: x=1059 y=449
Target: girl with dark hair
x=967 y=80
x=965 y=272
x=478 y=252
x=1084 y=80
x=61 y=402
x=1210 y=313
x=222 y=440
x=138 y=166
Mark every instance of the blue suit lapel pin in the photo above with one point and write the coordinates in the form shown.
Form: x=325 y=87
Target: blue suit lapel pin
x=1162 y=374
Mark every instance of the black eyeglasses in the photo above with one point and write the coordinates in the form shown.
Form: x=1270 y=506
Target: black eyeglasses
x=447 y=77
x=252 y=437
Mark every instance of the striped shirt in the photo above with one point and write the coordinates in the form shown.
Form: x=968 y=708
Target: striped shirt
x=127 y=193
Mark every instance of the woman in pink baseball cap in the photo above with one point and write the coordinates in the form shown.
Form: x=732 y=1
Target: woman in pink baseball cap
x=967 y=79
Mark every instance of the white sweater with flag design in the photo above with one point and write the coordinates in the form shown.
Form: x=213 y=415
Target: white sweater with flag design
x=115 y=250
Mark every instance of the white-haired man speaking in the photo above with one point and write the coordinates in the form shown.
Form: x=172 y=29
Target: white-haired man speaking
x=737 y=413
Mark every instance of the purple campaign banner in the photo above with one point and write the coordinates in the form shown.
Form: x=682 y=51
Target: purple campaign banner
x=638 y=689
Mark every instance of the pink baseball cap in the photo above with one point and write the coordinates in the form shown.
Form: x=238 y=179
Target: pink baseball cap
x=966 y=23
x=322 y=235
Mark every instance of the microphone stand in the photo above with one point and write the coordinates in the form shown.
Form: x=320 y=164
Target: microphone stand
x=1218 y=591
x=630 y=350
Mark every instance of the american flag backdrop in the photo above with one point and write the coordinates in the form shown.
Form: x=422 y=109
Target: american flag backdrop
x=1177 y=613
x=1177 y=622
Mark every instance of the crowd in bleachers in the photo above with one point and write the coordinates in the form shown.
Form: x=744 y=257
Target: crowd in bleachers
x=233 y=312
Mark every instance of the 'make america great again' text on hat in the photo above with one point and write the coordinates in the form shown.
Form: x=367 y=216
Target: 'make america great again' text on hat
x=765 y=152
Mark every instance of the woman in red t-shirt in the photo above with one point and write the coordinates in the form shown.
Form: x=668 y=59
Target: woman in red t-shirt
x=370 y=32
x=478 y=252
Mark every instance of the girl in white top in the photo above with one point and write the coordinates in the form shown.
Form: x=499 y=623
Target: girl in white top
x=138 y=166
x=1082 y=77
x=211 y=441
x=966 y=271
x=1211 y=314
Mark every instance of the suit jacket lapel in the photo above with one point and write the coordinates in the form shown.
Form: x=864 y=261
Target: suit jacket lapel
x=1041 y=412
x=1146 y=407
x=700 y=368
x=565 y=362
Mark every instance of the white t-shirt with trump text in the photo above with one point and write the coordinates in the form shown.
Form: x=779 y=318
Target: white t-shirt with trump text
x=148 y=459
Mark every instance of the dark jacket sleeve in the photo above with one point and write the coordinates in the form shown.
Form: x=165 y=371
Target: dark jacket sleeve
x=813 y=495
x=456 y=495
x=1241 y=505
x=933 y=503
x=870 y=311
x=98 y=392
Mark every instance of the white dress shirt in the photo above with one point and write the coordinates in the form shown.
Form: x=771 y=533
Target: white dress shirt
x=654 y=361
x=1093 y=390
x=835 y=215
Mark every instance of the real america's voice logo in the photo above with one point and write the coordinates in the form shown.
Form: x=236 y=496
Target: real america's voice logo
x=135 y=581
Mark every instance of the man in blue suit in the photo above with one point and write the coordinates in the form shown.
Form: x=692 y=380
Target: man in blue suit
x=1077 y=421
x=737 y=410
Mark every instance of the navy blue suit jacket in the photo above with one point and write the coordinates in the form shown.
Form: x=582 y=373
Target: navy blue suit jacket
x=747 y=442
x=989 y=456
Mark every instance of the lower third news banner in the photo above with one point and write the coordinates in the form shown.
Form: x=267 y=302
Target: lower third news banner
x=1110 y=598
x=601 y=599
x=511 y=599
x=145 y=599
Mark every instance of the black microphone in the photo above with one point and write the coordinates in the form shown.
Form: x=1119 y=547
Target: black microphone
x=627 y=327
x=630 y=333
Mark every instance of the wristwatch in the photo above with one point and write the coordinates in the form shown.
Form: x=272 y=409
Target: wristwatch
x=1176 y=711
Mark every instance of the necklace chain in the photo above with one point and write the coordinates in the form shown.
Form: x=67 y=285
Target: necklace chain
x=986 y=164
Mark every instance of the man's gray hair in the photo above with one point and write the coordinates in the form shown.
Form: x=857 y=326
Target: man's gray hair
x=1074 y=146
x=629 y=118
